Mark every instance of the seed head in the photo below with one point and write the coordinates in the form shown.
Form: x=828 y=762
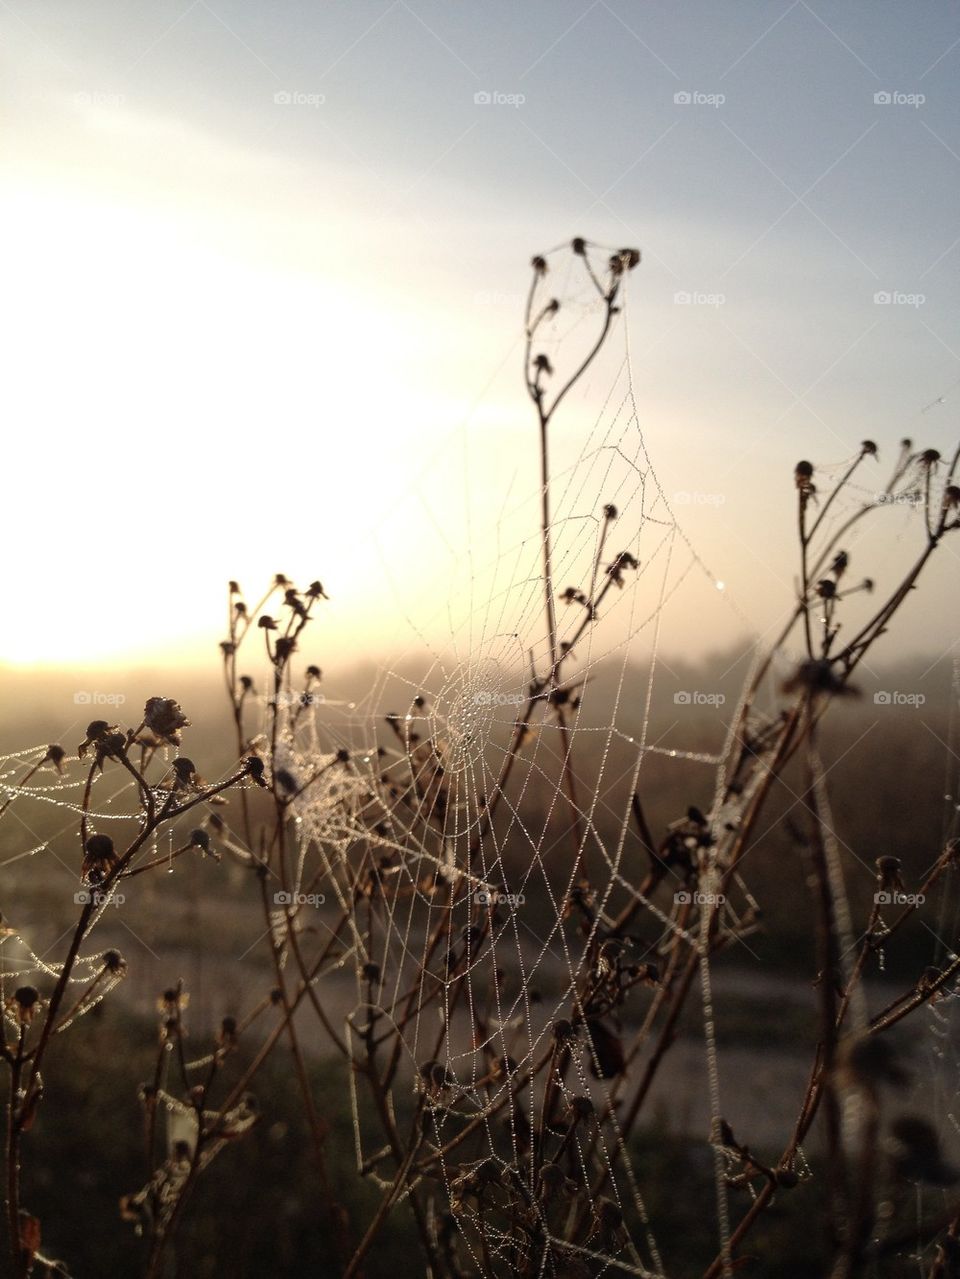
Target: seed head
x=25 y=1004
x=888 y=874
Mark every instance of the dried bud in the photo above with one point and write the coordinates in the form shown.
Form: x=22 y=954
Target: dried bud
x=164 y=718
x=254 y=768
x=100 y=858
x=888 y=874
x=25 y=1004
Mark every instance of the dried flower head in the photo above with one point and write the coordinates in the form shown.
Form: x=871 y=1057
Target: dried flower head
x=164 y=718
x=99 y=859
x=888 y=874
x=24 y=1004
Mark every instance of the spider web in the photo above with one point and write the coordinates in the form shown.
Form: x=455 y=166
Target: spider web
x=458 y=707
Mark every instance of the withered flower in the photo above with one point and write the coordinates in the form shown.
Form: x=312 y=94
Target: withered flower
x=186 y=774
x=99 y=859
x=55 y=755
x=25 y=1003
x=254 y=766
x=888 y=874
x=95 y=730
x=286 y=645
x=623 y=561
x=164 y=718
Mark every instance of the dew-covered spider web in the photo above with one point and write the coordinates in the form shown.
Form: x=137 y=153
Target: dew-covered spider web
x=492 y=924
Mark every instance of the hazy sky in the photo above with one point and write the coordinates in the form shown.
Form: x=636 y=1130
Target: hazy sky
x=263 y=278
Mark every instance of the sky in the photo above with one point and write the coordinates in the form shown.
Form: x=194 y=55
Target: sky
x=264 y=269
